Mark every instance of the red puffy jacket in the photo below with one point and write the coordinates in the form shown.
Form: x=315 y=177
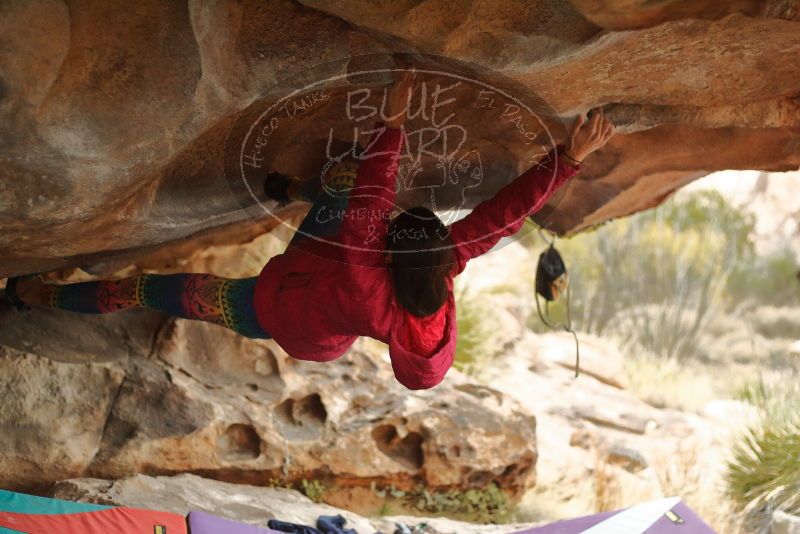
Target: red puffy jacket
x=316 y=298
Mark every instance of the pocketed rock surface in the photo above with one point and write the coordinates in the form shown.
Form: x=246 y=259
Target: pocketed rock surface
x=135 y=392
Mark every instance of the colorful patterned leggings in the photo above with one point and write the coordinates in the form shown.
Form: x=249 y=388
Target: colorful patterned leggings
x=202 y=297
x=205 y=297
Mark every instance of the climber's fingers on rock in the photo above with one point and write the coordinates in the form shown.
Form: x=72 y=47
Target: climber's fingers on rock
x=402 y=87
x=576 y=126
x=608 y=131
x=601 y=124
x=401 y=80
x=596 y=116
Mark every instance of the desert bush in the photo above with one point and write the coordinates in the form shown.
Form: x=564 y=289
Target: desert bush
x=770 y=279
x=764 y=472
x=656 y=279
x=487 y=319
x=473 y=329
x=777 y=322
x=731 y=348
x=667 y=383
x=776 y=396
x=484 y=505
x=735 y=321
x=313 y=489
x=661 y=280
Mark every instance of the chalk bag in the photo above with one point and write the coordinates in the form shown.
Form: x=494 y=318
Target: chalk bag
x=552 y=281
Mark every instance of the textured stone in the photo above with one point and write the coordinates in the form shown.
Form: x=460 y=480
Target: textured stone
x=198 y=398
x=52 y=416
x=249 y=504
x=599 y=359
x=114 y=118
x=629 y=459
x=598 y=443
x=625 y=14
x=183 y=493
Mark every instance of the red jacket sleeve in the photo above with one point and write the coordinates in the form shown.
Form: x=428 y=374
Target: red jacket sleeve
x=372 y=199
x=505 y=213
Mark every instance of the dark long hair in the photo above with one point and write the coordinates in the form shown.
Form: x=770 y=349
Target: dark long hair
x=421 y=254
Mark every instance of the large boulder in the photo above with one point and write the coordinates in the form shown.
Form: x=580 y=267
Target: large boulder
x=52 y=416
x=172 y=396
x=115 y=118
x=600 y=447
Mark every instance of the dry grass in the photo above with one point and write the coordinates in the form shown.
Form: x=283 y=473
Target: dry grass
x=605 y=487
x=667 y=383
x=764 y=471
x=691 y=477
x=694 y=473
x=686 y=476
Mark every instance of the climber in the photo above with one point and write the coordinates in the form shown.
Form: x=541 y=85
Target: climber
x=392 y=279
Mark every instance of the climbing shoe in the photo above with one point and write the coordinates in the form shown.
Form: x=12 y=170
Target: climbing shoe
x=276 y=187
x=11 y=295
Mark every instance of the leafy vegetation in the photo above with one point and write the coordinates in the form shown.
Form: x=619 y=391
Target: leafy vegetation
x=776 y=322
x=658 y=279
x=313 y=489
x=764 y=473
x=685 y=291
x=765 y=279
x=484 y=505
x=473 y=330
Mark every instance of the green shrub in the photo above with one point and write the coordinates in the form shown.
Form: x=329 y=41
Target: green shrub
x=487 y=320
x=768 y=279
x=483 y=505
x=658 y=280
x=313 y=489
x=654 y=279
x=777 y=399
x=777 y=322
x=764 y=473
x=473 y=330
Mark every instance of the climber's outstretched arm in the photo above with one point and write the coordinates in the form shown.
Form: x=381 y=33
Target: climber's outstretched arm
x=372 y=199
x=505 y=213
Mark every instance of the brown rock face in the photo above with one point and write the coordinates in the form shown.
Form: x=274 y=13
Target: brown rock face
x=46 y=440
x=121 y=123
x=165 y=396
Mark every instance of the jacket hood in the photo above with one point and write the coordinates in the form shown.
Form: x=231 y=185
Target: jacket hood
x=417 y=371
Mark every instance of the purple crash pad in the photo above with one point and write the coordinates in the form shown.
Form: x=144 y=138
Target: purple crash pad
x=203 y=523
x=688 y=523
x=691 y=523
